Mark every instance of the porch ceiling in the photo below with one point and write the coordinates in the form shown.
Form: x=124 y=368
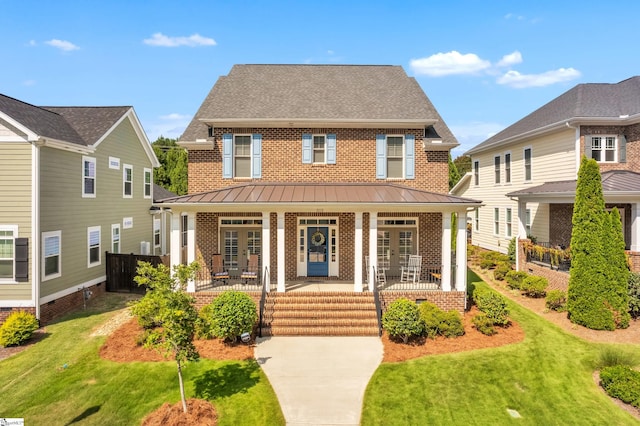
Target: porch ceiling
x=315 y=195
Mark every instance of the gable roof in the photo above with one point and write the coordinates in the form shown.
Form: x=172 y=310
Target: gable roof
x=297 y=95
x=593 y=103
x=91 y=123
x=160 y=193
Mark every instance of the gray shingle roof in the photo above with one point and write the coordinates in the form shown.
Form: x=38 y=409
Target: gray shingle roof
x=584 y=101
x=160 y=193
x=315 y=92
x=339 y=193
x=612 y=181
x=76 y=125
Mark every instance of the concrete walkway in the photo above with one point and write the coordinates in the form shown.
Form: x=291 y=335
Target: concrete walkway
x=319 y=380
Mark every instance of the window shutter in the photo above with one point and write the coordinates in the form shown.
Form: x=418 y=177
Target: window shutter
x=381 y=157
x=22 y=259
x=227 y=156
x=331 y=148
x=307 y=142
x=256 y=156
x=622 y=140
x=587 y=146
x=410 y=156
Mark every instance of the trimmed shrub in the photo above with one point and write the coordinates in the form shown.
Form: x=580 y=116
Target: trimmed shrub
x=534 y=286
x=204 y=327
x=438 y=322
x=493 y=305
x=233 y=313
x=556 y=300
x=489 y=259
x=622 y=382
x=502 y=269
x=634 y=294
x=402 y=320
x=18 y=328
x=514 y=279
x=483 y=324
x=511 y=250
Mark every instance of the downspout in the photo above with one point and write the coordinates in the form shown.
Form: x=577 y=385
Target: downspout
x=577 y=145
x=35 y=224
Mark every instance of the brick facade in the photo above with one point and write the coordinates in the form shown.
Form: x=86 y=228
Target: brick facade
x=5 y=312
x=632 y=134
x=69 y=303
x=446 y=300
x=282 y=159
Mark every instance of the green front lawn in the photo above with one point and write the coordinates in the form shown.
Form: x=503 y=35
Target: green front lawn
x=62 y=380
x=547 y=379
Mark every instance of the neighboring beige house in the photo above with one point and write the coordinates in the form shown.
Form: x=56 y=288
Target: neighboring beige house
x=526 y=174
x=75 y=182
x=317 y=170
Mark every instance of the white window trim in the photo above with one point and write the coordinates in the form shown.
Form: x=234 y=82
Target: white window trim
x=233 y=156
x=126 y=167
x=46 y=235
x=14 y=229
x=114 y=227
x=157 y=230
x=524 y=164
x=91 y=229
x=508 y=231
x=313 y=148
x=403 y=157
x=527 y=220
x=95 y=173
x=496 y=223
x=114 y=163
x=476 y=172
x=497 y=179
x=510 y=174
x=603 y=150
x=476 y=220
x=144 y=183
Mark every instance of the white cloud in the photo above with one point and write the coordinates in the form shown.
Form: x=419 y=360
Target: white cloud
x=510 y=59
x=520 y=81
x=472 y=133
x=170 y=125
x=449 y=63
x=29 y=83
x=159 y=39
x=32 y=43
x=175 y=116
x=514 y=16
x=67 y=46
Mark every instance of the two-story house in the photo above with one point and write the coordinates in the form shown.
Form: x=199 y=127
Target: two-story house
x=75 y=182
x=321 y=171
x=526 y=174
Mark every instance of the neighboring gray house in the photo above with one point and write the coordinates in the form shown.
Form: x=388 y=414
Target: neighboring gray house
x=75 y=182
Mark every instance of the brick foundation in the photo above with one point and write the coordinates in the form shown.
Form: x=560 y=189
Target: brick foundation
x=557 y=280
x=634 y=260
x=446 y=300
x=69 y=303
x=5 y=312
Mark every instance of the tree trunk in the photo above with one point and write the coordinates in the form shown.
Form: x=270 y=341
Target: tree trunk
x=184 y=401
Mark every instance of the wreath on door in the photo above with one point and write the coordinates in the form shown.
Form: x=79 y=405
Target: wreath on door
x=317 y=238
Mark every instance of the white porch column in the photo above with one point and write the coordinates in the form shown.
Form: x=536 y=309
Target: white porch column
x=635 y=227
x=266 y=248
x=461 y=252
x=446 y=251
x=522 y=229
x=373 y=247
x=280 y=253
x=174 y=250
x=357 y=263
x=191 y=246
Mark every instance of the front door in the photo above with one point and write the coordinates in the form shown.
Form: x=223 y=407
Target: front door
x=394 y=248
x=317 y=261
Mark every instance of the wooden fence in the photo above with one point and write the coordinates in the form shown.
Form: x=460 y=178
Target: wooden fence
x=121 y=269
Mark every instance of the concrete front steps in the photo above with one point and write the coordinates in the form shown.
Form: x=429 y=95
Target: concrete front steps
x=336 y=313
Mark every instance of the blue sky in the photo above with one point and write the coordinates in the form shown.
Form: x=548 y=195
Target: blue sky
x=484 y=64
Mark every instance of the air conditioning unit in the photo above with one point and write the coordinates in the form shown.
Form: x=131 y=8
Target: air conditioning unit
x=145 y=248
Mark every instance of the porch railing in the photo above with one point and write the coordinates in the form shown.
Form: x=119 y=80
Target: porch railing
x=206 y=282
x=376 y=298
x=263 y=298
x=544 y=253
x=429 y=279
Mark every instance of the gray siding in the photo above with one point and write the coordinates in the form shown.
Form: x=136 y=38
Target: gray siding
x=15 y=205
x=63 y=207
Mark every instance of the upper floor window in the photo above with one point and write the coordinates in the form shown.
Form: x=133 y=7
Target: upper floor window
x=8 y=234
x=241 y=156
x=93 y=246
x=52 y=251
x=319 y=149
x=127 y=180
x=507 y=167
x=88 y=177
x=395 y=157
x=604 y=148
x=147 y=183
x=476 y=173
x=527 y=164
x=496 y=167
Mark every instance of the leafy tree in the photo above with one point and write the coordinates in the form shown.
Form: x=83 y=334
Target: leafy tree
x=176 y=315
x=594 y=299
x=463 y=164
x=454 y=175
x=172 y=173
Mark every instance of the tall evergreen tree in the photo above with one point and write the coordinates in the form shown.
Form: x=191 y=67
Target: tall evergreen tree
x=618 y=271
x=589 y=300
x=454 y=176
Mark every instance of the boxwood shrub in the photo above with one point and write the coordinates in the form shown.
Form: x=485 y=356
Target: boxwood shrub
x=622 y=382
x=483 y=324
x=556 y=300
x=232 y=313
x=489 y=259
x=402 y=320
x=18 y=328
x=493 y=305
x=501 y=270
x=514 y=279
x=634 y=294
x=437 y=322
x=534 y=286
